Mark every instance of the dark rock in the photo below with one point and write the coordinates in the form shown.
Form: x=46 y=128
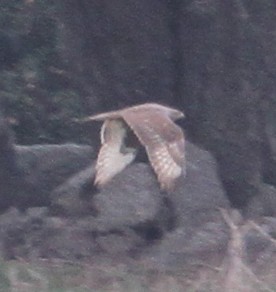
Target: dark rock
x=47 y=166
x=37 y=212
x=189 y=247
x=260 y=243
x=200 y=233
x=200 y=193
x=270 y=226
x=264 y=203
x=11 y=178
x=66 y=240
x=73 y=197
x=128 y=206
x=21 y=235
x=129 y=217
x=130 y=199
x=118 y=218
x=131 y=208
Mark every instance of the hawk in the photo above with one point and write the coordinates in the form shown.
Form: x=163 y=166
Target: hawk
x=154 y=126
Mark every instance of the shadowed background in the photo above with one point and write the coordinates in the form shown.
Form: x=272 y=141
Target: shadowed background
x=61 y=60
x=215 y=61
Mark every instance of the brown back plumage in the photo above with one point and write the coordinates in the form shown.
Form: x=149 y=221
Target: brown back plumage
x=154 y=127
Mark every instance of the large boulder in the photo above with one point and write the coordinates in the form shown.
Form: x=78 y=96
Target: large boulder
x=44 y=167
x=122 y=216
x=132 y=207
x=200 y=233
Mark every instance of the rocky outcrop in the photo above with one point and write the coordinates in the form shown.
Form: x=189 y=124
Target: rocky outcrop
x=127 y=220
x=127 y=215
x=131 y=220
x=28 y=174
x=44 y=167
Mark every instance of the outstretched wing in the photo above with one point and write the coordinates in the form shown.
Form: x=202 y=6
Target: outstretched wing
x=164 y=143
x=110 y=159
x=101 y=117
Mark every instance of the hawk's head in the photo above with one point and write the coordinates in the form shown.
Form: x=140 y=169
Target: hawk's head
x=175 y=114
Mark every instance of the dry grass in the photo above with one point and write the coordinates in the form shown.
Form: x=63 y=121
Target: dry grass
x=231 y=274
x=238 y=276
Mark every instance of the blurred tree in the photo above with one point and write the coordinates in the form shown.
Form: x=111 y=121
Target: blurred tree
x=35 y=87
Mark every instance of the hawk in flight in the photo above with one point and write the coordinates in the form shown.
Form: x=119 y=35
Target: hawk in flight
x=154 y=126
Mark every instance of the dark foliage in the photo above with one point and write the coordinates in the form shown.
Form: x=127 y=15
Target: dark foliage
x=36 y=90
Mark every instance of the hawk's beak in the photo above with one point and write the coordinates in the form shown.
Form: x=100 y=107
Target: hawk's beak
x=179 y=115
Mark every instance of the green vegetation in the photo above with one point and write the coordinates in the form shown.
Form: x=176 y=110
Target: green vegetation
x=58 y=276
